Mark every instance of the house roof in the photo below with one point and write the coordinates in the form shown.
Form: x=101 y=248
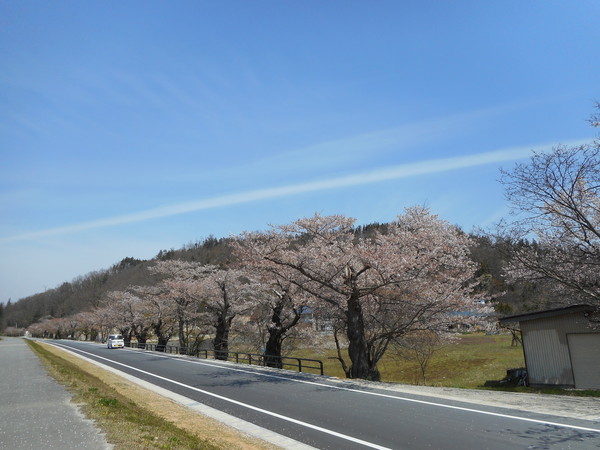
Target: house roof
x=547 y=313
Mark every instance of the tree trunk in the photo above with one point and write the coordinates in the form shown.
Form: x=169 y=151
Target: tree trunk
x=141 y=336
x=93 y=335
x=358 y=350
x=183 y=342
x=221 y=341
x=223 y=324
x=277 y=331
x=161 y=345
x=273 y=349
x=126 y=332
x=162 y=338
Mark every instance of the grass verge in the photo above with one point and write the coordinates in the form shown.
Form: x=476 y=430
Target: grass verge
x=133 y=417
x=469 y=362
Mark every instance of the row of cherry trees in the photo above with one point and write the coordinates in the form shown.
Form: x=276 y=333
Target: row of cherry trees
x=414 y=276
x=370 y=290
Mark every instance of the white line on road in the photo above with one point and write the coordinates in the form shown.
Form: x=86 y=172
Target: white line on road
x=377 y=394
x=245 y=405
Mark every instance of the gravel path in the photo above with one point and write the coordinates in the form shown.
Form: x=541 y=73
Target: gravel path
x=35 y=411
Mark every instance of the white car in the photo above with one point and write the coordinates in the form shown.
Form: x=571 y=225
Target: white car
x=115 y=341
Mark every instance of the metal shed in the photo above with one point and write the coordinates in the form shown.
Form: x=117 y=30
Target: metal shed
x=561 y=348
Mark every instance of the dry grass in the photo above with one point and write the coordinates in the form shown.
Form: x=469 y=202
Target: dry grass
x=133 y=417
x=468 y=363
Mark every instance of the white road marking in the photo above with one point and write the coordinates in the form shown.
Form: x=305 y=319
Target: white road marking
x=241 y=425
x=377 y=394
x=235 y=402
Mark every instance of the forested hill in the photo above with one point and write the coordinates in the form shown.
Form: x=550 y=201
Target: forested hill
x=87 y=291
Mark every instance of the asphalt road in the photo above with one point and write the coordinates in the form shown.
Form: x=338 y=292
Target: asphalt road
x=332 y=414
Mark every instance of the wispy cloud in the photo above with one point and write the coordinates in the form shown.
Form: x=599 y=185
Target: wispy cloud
x=427 y=167
x=360 y=148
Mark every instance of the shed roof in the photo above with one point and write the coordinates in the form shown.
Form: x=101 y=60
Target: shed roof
x=547 y=313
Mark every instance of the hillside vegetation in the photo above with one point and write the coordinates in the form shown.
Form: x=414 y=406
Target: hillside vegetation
x=86 y=291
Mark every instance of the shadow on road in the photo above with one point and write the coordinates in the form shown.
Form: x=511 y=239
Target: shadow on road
x=551 y=436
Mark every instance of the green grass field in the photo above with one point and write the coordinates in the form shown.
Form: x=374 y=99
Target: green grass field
x=469 y=362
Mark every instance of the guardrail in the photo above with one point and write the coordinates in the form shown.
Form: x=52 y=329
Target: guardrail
x=282 y=362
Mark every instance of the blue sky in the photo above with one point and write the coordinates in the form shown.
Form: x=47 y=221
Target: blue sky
x=131 y=127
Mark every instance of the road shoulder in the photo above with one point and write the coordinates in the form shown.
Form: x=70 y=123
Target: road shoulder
x=220 y=429
x=36 y=411
x=586 y=408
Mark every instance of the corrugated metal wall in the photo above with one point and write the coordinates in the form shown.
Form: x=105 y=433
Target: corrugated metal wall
x=585 y=358
x=547 y=349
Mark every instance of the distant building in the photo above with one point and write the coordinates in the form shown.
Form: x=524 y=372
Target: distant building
x=561 y=347
x=323 y=325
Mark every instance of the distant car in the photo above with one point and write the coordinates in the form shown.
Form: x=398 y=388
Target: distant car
x=115 y=341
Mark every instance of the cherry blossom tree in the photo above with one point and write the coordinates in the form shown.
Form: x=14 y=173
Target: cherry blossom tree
x=41 y=329
x=279 y=305
x=105 y=319
x=556 y=202
x=87 y=325
x=412 y=277
x=129 y=313
x=204 y=295
x=55 y=328
x=227 y=294
x=286 y=308
x=118 y=314
x=184 y=280
x=158 y=302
